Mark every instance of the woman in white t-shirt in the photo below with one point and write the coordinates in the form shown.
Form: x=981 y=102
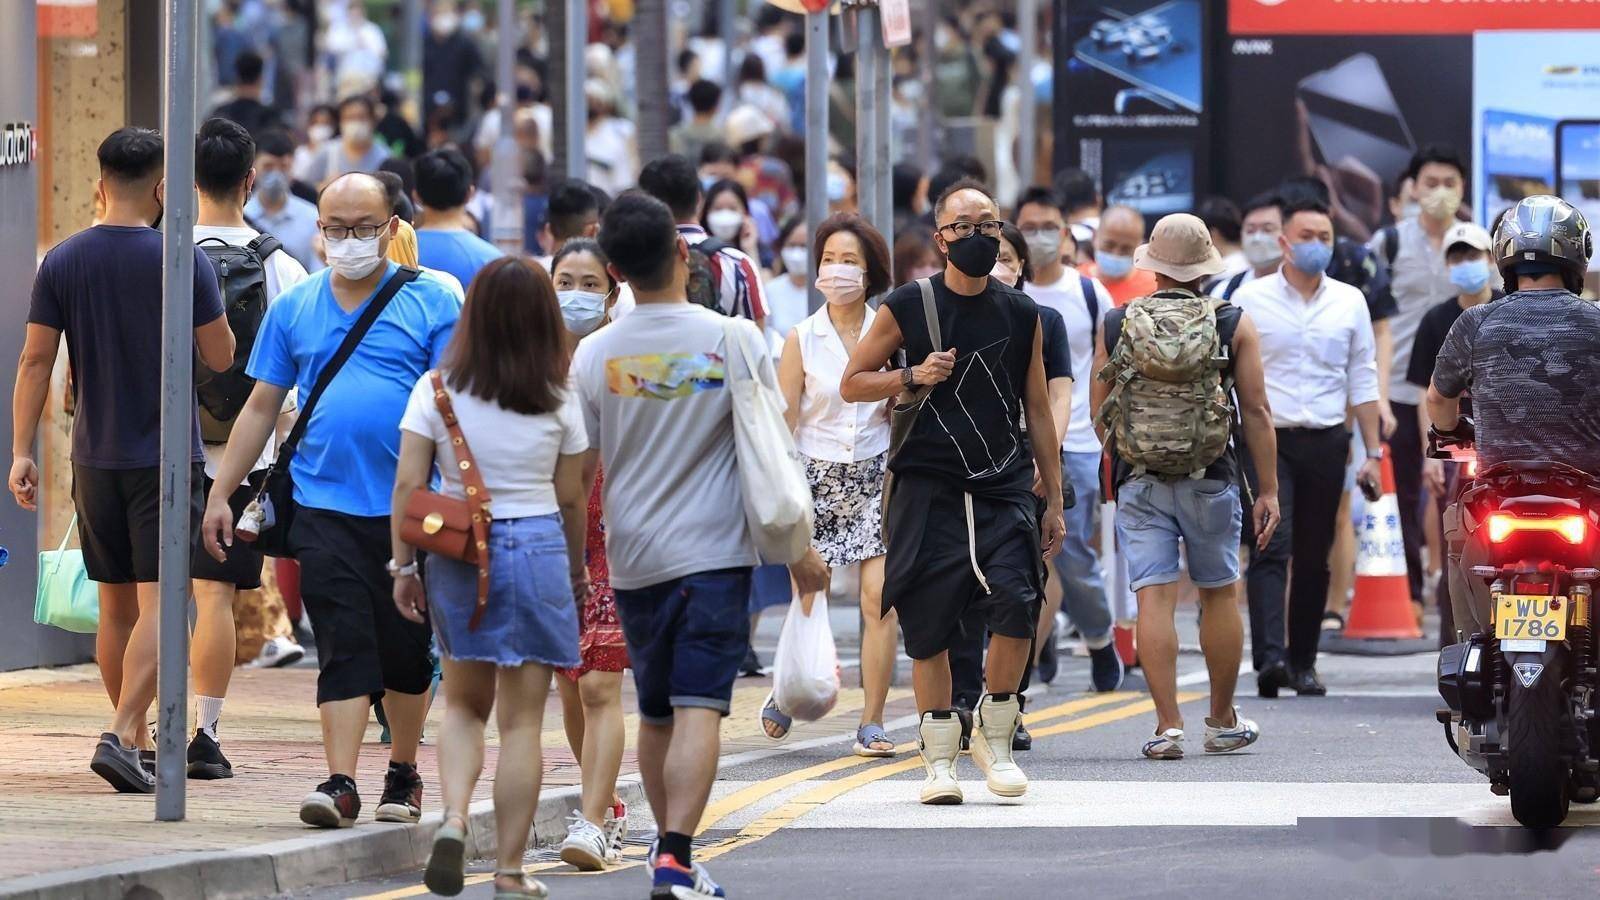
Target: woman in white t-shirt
x=505 y=373
x=846 y=450
x=788 y=295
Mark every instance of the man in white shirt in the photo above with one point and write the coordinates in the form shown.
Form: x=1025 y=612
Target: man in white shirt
x=224 y=177
x=1258 y=241
x=273 y=208
x=1318 y=354
x=1082 y=303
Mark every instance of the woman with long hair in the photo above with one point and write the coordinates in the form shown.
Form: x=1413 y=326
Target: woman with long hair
x=504 y=374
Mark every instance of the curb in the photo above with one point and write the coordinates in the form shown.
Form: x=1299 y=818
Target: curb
x=1378 y=647
x=320 y=859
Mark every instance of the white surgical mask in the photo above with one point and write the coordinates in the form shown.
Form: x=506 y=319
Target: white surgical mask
x=1044 y=244
x=1261 y=249
x=319 y=133
x=583 y=311
x=841 y=283
x=353 y=258
x=795 y=259
x=359 y=130
x=725 y=223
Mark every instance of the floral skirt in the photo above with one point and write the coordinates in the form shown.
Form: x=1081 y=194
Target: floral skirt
x=849 y=509
x=600 y=640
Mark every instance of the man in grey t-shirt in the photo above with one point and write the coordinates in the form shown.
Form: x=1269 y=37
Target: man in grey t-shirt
x=653 y=391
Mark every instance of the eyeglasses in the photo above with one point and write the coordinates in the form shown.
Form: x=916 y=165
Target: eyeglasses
x=360 y=232
x=962 y=230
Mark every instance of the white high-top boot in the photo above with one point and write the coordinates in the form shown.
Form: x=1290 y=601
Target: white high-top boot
x=994 y=723
x=939 y=740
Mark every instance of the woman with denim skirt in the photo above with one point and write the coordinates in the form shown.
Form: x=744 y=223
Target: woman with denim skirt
x=505 y=373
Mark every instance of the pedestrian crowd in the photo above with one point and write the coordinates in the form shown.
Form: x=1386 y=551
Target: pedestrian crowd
x=485 y=468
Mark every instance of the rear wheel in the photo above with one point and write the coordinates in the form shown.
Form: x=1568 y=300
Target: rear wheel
x=1535 y=718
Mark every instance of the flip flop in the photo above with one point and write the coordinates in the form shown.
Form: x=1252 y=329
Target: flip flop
x=869 y=734
x=771 y=713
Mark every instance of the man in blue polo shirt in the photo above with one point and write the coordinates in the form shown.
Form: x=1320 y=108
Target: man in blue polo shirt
x=445 y=240
x=343 y=478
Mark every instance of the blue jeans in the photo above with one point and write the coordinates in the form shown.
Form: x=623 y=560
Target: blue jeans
x=686 y=639
x=1078 y=564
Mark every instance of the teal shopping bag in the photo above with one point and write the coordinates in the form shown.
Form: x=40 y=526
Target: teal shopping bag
x=66 y=598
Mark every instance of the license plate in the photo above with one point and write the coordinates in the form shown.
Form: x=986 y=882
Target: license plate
x=1531 y=617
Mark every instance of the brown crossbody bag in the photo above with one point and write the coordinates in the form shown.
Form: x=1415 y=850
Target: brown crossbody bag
x=451 y=526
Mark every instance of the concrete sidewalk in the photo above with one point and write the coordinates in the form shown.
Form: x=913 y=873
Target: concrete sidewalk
x=66 y=834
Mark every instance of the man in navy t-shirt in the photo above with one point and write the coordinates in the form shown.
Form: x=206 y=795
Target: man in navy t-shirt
x=101 y=289
x=343 y=479
x=444 y=237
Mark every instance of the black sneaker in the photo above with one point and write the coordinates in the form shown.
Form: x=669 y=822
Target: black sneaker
x=334 y=804
x=206 y=762
x=1105 y=668
x=402 y=794
x=1049 y=661
x=751 y=667
x=120 y=767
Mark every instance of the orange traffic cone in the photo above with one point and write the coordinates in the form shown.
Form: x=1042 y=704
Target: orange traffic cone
x=1381 y=608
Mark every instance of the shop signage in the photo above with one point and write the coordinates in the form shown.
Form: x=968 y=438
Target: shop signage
x=1407 y=16
x=19 y=144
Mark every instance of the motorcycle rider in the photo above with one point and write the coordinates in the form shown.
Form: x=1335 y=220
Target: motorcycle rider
x=1531 y=362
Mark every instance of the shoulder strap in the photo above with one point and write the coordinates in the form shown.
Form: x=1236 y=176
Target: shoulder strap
x=710 y=245
x=930 y=311
x=1233 y=284
x=264 y=245
x=1391 y=244
x=477 y=491
x=1091 y=298
x=375 y=308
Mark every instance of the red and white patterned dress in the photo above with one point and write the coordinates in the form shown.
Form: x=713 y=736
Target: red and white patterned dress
x=600 y=641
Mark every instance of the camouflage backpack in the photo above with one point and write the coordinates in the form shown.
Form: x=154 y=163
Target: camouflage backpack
x=1170 y=408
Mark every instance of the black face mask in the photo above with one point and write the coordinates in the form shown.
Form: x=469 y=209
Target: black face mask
x=974 y=254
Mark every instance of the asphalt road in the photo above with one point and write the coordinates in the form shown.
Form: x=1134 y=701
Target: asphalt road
x=1355 y=792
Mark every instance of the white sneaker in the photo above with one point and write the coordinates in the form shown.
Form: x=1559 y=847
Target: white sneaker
x=276 y=653
x=939 y=741
x=585 y=847
x=1222 y=738
x=994 y=724
x=616 y=830
x=1166 y=745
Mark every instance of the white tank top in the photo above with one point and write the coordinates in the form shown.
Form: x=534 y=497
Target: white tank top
x=829 y=428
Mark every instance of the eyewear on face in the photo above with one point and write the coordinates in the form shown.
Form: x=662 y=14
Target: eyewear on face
x=961 y=230
x=359 y=232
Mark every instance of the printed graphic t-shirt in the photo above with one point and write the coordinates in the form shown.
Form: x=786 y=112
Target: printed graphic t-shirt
x=970 y=431
x=653 y=387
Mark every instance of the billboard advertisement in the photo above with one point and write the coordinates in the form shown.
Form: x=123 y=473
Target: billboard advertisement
x=1535 y=97
x=1133 y=111
x=1349 y=109
x=1406 y=16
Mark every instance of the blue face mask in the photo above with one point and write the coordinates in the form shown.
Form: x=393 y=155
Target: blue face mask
x=1113 y=266
x=1470 y=276
x=1311 y=257
x=837 y=187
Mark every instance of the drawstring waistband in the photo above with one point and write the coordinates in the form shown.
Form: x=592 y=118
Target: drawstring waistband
x=972 y=545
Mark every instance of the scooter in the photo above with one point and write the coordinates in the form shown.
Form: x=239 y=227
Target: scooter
x=1520 y=685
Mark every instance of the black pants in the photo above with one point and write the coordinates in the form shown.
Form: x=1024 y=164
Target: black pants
x=1311 y=465
x=966 y=662
x=1406 y=453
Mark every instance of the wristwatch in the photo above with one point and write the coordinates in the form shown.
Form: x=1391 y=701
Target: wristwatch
x=1375 y=454
x=398 y=571
x=908 y=377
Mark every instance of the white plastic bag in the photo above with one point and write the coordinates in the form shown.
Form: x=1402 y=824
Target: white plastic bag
x=777 y=497
x=805 y=677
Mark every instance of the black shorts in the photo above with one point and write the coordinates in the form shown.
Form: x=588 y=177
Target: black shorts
x=929 y=575
x=364 y=645
x=242 y=569
x=119 y=520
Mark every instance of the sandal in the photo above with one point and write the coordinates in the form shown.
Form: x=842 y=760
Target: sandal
x=531 y=887
x=772 y=715
x=869 y=734
x=447 y=864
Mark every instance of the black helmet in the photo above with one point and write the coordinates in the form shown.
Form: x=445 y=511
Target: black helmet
x=1544 y=233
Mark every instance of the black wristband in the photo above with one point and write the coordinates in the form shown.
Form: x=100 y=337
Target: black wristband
x=908 y=377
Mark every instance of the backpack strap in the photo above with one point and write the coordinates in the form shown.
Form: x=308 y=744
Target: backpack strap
x=1391 y=244
x=1091 y=299
x=264 y=245
x=1234 y=284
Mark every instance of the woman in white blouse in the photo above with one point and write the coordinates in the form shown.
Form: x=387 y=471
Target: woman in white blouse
x=846 y=447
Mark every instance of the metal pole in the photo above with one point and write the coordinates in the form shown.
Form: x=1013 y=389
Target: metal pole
x=930 y=102
x=727 y=32
x=870 y=64
x=177 y=410
x=816 y=138
x=653 y=70
x=577 y=120
x=1028 y=124
x=506 y=170
x=411 y=41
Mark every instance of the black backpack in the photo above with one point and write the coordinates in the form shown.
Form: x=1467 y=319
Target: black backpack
x=704 y=287
x=242 y=279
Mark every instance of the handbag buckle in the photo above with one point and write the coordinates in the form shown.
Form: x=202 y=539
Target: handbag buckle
x=432 y=523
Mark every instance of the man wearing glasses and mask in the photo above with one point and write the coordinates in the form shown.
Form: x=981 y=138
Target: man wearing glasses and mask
x=965 y=528
x=343 y=470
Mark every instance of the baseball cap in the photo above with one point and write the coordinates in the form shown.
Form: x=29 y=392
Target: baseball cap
x=1469 y=233
x=1180 y=248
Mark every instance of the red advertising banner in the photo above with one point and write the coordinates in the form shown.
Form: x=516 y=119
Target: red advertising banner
x=1407 y=16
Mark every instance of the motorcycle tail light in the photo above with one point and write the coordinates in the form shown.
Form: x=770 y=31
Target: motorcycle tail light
x=1472 y=468
x=1572 y=529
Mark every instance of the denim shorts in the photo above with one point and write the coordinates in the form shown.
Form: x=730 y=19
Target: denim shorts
x=686 y=639
x=531 y=616
x=1154 y=514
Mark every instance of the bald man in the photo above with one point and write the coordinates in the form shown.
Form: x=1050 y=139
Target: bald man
x=344 y=452
x=1121 y=232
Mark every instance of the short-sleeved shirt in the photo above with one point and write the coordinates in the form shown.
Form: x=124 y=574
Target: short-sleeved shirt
x=1532 y=361
x=1083 y=321
x=653 y=387
x=516 y=452
x=102 y=289
x=1430 y=338
x=1057 y=351
x=1419 y=278
x=461 y=253
x=346 y=460
x=969 y=431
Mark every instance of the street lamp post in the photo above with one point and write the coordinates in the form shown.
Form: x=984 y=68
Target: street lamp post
x=505 y=170
x=816 y=137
